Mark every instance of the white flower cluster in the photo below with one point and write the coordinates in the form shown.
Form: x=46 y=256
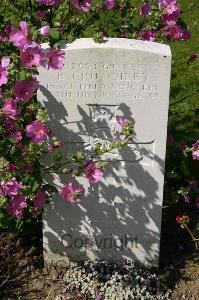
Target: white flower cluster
x=122 y=280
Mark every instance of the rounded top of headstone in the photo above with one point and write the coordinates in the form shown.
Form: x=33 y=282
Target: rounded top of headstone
x=130 y=44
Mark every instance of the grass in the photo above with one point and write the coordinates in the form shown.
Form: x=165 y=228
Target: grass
x=184 y=116
x=185 y=77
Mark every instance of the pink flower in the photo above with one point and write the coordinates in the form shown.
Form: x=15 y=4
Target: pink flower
x=16 y=135
x=37 y=131
x=49 y=2
x=123 y=122
x=45 y=30
x=145 y=9
x=169 y=5
x=51 y=149
x=55 y=59
x=82 y=5
x=39 y=199
x=185 y=35
x=174 y=32
x=192 y=57
x=170 y=19
x=16 y=206
x=34 y=213
x=19 y=38
x=1 y=189
x=56 y=144
x=3 y=76
x=10 y=167
x=28 y=168
x=148 y=35
x=5 y=61
x=184 y=219
x=4 y=34
x=124 y=34
x=127 y=126
x=9 y=124
x=187 y=198
x=70 y=192
x=10 y=187
x=21 y=148
x=93 y=173
x=31 y=55
x=110 y=4
x=195 y=150
x=40 y=15
x=34 y=76
x=59 y=26
x=24 y=90
x=29 y=111
x=10 y=108
x=99 y=297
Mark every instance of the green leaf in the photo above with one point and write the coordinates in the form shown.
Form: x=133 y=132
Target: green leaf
x=13 y=141
x=100 y=164
x=184 y=153
x=6 y=221
x=70 y=38
x=35 y=186
x=26 y=178
x=12 y=150
x=57 y=156
x=54 y=33
x=1 y=215
x=22 y=75
x=19 y=223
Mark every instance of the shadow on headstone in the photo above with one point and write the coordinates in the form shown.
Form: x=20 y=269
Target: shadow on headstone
x=121 y=215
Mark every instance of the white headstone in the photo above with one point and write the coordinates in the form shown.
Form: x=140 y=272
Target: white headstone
x=121 y=215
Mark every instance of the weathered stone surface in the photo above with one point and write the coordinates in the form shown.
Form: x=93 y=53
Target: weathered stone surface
x=120 y=216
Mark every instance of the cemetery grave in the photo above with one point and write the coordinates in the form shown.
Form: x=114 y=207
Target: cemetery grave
x=99 y=84
x=99 y=150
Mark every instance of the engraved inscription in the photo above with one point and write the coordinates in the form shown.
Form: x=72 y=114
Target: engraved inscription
x=104 y=131
x=112 y=240
x=103 y=117
x=91 y=81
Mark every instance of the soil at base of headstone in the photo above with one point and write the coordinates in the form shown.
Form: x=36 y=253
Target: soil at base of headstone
x=23 y=276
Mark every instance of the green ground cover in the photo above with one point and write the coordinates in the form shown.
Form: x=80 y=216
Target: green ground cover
x=184 y=116
x=185 y=78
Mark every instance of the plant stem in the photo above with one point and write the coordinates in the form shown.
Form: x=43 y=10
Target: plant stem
x=192 y=236
x=195 y=92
